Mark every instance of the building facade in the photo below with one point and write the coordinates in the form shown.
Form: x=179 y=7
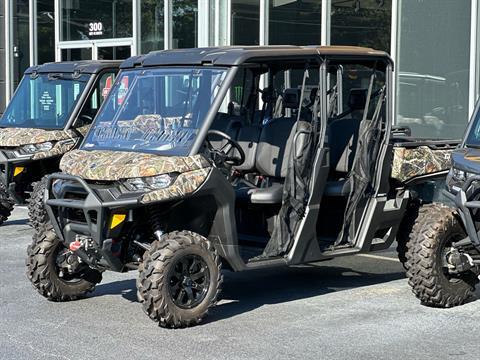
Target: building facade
x=434 y=43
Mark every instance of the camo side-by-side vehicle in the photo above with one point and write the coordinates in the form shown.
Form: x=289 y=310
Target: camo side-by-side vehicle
x=191 y=166
x=49 y=114
x=444 y=248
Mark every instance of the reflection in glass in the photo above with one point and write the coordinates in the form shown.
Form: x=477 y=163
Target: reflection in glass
x=21 y=51
x=245 y=22
x=159 y=110
x=295 y=22
x=114 y=52
x=77 y=54
x=96 y=19
x=185 y=23
x=152 y=25
x=45 y=31
x=44 y=101
x=362 y=23
x=433 y=68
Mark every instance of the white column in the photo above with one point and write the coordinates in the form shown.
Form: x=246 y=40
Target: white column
x=33 y=38
x=325 y=22
x=136 y=27
x=394 y=41
x=203 y=23
x=472 y=88
x=167 y=24
x=263 y=38
x=58 y=51
x=229 y=22
x=8 y=16
x=264 y=18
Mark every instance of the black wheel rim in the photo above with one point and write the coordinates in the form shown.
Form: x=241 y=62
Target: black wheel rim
x=452 y=278
x=60 y=257
x=188 y=281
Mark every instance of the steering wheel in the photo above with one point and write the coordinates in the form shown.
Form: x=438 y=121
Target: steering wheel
x=222 y=153
x=85 y=119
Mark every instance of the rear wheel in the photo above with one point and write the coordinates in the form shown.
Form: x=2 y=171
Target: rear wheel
x=6 y=204
x=181 y=279
x=428 y=274
x=54 y=271
x=410 y=228
x=36 y=208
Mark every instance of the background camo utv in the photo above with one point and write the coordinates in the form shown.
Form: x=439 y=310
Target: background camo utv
x=411 y=162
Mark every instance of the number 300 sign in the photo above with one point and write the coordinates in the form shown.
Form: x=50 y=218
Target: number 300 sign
x=95 y=28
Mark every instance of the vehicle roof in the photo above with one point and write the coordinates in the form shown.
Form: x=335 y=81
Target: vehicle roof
x=84 y=66
x=237 y=55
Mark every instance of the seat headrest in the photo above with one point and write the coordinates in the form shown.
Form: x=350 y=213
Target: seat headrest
x=268 y=95
x=357 y=99
x=313 y=95
x=291 y=98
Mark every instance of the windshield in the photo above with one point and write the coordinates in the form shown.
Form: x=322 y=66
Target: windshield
x=44 y=101
x=473 y=136
x=156 y=110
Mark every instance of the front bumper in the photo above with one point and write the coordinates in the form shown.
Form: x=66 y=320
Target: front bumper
x=97 y=208
x=8 y=164
x=463 y=200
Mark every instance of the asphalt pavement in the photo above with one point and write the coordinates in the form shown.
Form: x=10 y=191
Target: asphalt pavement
x=357 y=307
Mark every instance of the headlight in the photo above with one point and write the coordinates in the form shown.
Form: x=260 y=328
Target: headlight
x=458 y=175
x=33 y=148
x=148 y=183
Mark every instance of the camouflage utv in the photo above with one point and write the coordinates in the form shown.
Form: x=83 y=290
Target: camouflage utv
x=444 y=248
x=190 y=166
x=49 y=114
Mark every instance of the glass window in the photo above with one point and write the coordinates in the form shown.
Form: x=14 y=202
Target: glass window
x=185 y=23
x=473 y=137
x=295 y=22
x=152 y=25
x=96 y=99
x=96 y=19
x=362 y=23
x=245 y=22
x=45 y=31
x=76 y=54
x=157 y=110
x=21 y=52
x=114 y=52
x=433 y=68
x=44 y=101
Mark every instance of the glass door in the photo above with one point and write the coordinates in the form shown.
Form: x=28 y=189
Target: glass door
x=76 y=54
x=114 y=49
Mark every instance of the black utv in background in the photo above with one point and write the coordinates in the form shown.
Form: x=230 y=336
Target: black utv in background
x=49 y=114
x=444 y=247
x=192 y=165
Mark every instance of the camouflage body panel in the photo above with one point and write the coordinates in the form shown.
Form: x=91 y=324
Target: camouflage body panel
x=13 y=137
x=83 y=129
x=184 y=184
x=58 y=149
x=115 y=165
x=411 y=162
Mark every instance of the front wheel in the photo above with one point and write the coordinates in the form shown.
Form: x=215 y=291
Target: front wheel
x=6 y=204
x=181 y=279
x=54 y=271
x=428 y=272
x=36 y=207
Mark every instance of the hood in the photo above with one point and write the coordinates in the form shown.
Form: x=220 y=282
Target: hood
x=106 y=165
x=12 y=137
x=467 y=159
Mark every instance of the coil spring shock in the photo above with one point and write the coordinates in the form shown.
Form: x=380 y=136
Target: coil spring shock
x=155 y=221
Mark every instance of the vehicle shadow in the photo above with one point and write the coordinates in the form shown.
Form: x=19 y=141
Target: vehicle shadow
x=15 y=222
x=246 y=291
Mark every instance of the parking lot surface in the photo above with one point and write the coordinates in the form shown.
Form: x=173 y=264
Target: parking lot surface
x=349 y=308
